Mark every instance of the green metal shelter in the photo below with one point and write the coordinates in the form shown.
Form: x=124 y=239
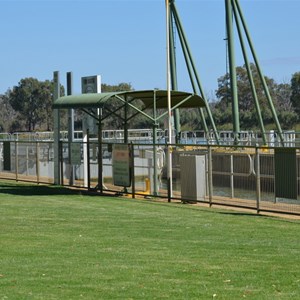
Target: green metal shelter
x=153 y=104
x=150 y=98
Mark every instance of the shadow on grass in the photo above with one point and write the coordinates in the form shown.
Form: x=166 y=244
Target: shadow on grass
x=34 y=190
x=240 y=214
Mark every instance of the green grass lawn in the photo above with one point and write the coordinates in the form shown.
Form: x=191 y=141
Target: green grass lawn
x=58 y=244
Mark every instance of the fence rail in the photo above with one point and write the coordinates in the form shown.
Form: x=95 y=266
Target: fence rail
x=257 y=178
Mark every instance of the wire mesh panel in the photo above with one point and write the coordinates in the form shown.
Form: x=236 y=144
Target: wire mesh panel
x=262 y=178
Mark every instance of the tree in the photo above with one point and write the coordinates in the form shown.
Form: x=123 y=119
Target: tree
x=295 y=96
x=25 y=99
x=282 y=99
x=7 y=114
x=248 y=115
x=32 y=102
x=46 y=98
x=106 y=88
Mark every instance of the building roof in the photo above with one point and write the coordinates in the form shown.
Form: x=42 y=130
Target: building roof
x=159 y=98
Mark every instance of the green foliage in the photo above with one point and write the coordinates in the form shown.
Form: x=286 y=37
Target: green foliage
x=28 y=106
x=295 y=87
x=106 y=88
x=280 y=93
x=7 y=114
x=32 y=101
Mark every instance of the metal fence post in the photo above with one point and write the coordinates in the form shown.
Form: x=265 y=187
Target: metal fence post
x=210 y=184
x=231 y=176
x=132 y=169
x=16 y=160
x=61 y=164
x=258 y=195
x=88 y=159
x=37 y=162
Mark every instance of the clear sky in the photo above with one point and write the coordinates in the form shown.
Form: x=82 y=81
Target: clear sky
x=125 y=40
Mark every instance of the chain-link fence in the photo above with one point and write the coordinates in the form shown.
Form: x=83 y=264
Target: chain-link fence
x=259 y=178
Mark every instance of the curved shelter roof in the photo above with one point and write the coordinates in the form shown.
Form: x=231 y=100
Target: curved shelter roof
x=150 y=98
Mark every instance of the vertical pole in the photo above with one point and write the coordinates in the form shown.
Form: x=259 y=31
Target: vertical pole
x=258 y=194
x=37 y=150
x=169 y=176
x=231 y=176
x=85 y=154
x=132 y=169
x=155 y=174
x=232 y=70
x=27 y=160
x=61 y=163
x=56 y=132
x=70 y=127
x=192 y=70
x=100 y=162
x=173 y=71
x=249 y=72
x=125 y=121
x=88 y=160
x=16 y=160
x=260 y=73
x=210 y=179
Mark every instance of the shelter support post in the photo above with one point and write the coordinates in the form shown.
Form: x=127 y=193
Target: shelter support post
x=100 y=151
x=56 y=133
x=155 y=125
x=132 y=170
x=70 y=128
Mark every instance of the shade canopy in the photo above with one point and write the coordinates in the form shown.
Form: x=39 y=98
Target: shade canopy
x=150 y=98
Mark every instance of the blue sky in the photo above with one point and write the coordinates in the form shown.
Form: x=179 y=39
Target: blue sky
x=125 y=40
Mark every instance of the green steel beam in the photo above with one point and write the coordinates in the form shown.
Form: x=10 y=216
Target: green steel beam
x=174 y=85
x=249 y=72
x=262 y=78
x=192 y=71
x=56 y=131
x=232 y=70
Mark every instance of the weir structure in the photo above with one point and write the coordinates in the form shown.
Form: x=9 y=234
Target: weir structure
x=233 y=16
x=152 y=100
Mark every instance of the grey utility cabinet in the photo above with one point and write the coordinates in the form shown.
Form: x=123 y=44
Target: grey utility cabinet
x=193 y=177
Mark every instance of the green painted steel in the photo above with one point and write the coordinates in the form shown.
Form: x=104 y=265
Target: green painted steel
x=233 y=79
x=192 y=71
x=285 y=162
x=56 y=113
x=98 y=100
x=262 y=78
x=249 y=72
x=174 y=85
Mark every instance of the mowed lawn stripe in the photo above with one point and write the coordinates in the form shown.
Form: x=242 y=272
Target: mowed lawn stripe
x=60 y=244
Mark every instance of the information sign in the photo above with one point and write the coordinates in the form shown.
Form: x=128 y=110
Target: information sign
x=75 y=154
x=121 y=165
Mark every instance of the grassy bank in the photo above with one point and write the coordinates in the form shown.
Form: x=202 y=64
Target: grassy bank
x=58 y=244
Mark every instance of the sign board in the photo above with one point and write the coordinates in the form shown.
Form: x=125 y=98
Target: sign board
x=121 y=165
x=75 y=154
x=91 y=84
